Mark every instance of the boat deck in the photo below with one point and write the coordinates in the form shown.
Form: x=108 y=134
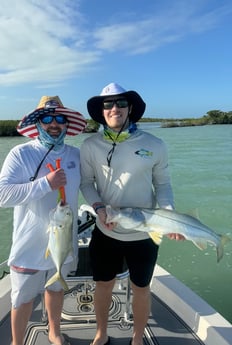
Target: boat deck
x=78 y=320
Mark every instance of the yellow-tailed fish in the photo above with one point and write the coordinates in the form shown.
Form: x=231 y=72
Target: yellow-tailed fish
x=60 y=240
x=159 y=222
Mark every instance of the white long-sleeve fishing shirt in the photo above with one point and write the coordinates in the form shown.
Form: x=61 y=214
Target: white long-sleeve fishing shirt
x=32 y=200
x=138 y=176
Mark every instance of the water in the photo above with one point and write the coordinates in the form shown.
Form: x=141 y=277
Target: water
x=200 y=160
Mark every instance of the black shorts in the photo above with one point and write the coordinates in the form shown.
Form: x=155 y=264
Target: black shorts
x=110 y=257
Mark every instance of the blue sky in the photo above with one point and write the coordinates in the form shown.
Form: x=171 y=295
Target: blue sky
x=176 y=53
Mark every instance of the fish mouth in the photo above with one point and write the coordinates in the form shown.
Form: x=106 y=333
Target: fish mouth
x=62 y=203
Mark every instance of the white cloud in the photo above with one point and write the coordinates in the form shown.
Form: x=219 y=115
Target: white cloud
x=169 y=24
x=46 y=41
x=40 y=43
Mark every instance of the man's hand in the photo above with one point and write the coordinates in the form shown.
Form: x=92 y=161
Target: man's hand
x=101 y=212
x=56 y=179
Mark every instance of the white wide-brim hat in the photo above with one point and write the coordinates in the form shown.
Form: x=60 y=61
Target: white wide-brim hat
x=47 y=105
x=95 y=104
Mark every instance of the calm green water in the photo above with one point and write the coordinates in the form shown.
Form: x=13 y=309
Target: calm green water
x=200 y=161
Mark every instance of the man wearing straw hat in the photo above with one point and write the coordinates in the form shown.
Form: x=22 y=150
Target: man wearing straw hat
x=27 y=185
x=122 y=166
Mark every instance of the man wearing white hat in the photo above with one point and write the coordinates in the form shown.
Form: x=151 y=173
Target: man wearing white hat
x=122 y=166
x=27 y=185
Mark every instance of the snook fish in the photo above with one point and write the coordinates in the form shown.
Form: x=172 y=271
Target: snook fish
x=159 y=222
x=60 y=240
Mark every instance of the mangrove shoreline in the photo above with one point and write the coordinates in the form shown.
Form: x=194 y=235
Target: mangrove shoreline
x=8 y=128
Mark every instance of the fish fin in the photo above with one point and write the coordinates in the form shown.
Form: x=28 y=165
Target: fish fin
x=57 y=277
x=47 y=253
x=156 y=237
x=195 y=213
x=220 y=248
x=202 y=245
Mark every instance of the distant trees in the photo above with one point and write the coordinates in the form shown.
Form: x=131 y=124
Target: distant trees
x=8 y=127
x=219 y=117
x=92 y=126
x=212 y=117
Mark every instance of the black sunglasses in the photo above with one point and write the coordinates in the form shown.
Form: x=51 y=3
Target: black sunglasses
x=47 y=119
x=120 y=103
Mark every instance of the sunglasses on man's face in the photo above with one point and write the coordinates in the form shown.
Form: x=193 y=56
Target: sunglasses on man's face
x=120 y=103
x=47 y=119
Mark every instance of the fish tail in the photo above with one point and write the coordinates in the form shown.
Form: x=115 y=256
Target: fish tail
x=220 y=248
x=156 y=237
x=57 y=277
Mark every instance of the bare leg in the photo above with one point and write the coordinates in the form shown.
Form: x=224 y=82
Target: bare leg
x=19 y=320
x=54 y=303
x=102 y=302
x=141 y=309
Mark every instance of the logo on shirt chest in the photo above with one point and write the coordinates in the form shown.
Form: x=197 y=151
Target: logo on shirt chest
x=144 y=153
x=71 y=165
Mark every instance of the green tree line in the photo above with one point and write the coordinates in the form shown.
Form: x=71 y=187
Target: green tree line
x=8 y=128
x=212 y=117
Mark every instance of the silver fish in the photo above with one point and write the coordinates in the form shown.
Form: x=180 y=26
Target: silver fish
x=159 y=222
x=60 y=240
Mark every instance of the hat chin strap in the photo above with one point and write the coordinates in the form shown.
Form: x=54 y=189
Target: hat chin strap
x=117 y=137
x=112 y=134
x=124 y=124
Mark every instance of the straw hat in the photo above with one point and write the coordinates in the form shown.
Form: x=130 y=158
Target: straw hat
x=94 y=104
x=48 y=105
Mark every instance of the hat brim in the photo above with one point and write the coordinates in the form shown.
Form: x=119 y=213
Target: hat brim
x=76 y=121
x=94 y=106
